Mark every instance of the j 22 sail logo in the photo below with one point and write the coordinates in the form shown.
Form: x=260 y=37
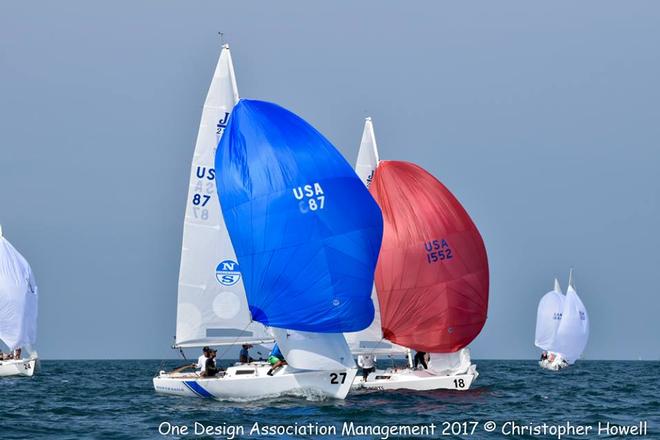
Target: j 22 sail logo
x=222 y=124
x=437 y=250
x=311 y=197
x=227 y=273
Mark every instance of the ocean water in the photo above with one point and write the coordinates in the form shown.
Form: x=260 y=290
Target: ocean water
x=115 y=400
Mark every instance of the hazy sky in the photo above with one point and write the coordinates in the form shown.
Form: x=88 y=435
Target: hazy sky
x=542 y=118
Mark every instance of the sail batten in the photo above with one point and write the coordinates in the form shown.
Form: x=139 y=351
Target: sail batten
x=211 y=293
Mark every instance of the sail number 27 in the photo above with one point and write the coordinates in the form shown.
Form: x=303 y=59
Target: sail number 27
x=335 y=379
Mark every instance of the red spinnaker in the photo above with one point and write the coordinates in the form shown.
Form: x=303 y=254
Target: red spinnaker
x=432 y=272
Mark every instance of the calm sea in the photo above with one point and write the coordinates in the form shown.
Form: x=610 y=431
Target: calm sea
x=115 y=400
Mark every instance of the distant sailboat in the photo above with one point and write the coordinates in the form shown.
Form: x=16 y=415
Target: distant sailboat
x=431 y=277
x=306 y=235
x=18 y=310
x=562 y=327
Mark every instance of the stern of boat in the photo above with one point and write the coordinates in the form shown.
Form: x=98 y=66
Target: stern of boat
x=24 y=367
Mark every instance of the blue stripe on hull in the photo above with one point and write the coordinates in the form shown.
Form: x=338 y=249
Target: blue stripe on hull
x=198 y=389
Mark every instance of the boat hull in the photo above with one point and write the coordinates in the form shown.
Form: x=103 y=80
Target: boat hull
x=251 y=381
x=418 y=380
x=22 y=367
x=553 y=366
x=554 y=362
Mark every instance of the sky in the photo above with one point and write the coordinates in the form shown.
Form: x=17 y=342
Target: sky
x=542 y=118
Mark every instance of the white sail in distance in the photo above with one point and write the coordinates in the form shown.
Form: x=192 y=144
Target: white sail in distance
x=548 y=317
x=212 y=307
x=370 y=340
x=573 y=330
x=18 y=299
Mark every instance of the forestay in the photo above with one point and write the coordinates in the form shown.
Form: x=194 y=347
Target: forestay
x=305 y=229
x=212 y=308
x=18 y=299
x=548 y=317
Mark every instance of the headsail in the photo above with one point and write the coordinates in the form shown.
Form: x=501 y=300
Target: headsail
x=305 y=229
x=314 y=351
x=432 y=273
x=573 y=330
x=548 y=317
x=212 y=308
x=18 y=299
x=370 y=340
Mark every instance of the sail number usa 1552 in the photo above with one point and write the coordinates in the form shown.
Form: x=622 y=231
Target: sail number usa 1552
x=437 y=250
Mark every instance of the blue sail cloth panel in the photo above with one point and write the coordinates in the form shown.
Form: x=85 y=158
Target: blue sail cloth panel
x=304 y=227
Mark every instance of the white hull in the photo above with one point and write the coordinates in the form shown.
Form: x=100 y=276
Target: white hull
x=419 y=380
x=557 y=363
x=250 y=381
x=22 y=367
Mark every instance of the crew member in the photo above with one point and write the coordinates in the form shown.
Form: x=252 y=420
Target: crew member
x=275 y=359
x=420 y=359
x=368 y=364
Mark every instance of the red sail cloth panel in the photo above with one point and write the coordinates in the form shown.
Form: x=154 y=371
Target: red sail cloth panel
x=432 y=272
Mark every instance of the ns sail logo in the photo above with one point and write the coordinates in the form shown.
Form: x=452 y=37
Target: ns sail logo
x=227 y=273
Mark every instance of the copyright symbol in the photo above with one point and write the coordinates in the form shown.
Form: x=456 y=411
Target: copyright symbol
x=490 y=426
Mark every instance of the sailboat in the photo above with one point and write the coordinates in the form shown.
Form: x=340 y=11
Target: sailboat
x=562 y=327
x=305 y=235
x=18 y=311
x=431 y=281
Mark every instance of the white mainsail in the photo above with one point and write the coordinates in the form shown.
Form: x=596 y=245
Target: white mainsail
x=18 y=299
x=212 y=306
x=367 y=160
x=548 y=317
x=573 y=330
x=370 y=340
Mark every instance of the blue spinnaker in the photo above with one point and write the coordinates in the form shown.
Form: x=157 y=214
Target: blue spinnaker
x=304 y=227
